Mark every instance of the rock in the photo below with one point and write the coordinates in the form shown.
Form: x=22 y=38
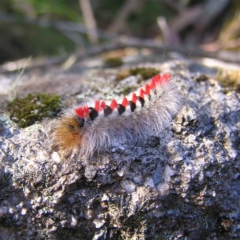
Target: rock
x=184 y=183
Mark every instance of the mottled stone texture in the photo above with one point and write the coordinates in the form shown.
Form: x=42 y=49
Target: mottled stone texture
x=182 y=184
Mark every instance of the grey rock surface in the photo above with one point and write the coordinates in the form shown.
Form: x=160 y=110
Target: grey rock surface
x=182 y=184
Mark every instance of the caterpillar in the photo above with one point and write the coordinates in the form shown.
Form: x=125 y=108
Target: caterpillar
x=86 y=129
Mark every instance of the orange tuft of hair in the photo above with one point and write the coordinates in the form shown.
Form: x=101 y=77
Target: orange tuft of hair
x=68 y=134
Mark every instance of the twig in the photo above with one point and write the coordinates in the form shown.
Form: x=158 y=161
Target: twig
x=185 y=18
x=59 y=25
x=120 y=20
x=12 y=90
x=89 y=21
x=177 y=6
x=76 y=38
x=134 y=43
x=166 y=32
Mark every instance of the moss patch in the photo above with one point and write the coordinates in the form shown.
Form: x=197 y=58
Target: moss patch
x=145 y=73
x=229 y=79
x=34 y=107
x=113 y=62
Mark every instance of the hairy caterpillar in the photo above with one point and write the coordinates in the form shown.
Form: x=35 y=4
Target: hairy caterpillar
x=86 y=129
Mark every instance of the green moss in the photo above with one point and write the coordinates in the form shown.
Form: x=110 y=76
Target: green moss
x=113 y=62
x=146 y=73
x=229 y=79
x=34 y=107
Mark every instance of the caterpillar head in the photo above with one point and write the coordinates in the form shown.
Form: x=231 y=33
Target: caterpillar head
x=68 y=133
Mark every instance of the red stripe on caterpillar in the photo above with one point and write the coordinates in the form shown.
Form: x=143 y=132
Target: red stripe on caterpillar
x=85 y=129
